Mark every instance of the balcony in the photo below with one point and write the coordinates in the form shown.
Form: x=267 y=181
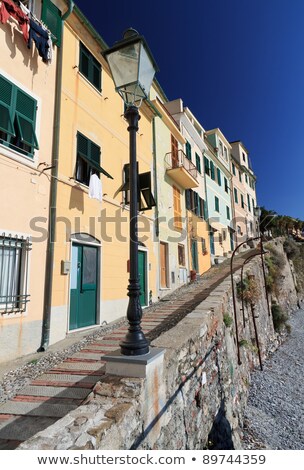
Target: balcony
x=181 y=170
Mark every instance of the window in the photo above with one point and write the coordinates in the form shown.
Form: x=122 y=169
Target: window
x=14 y=272
x=51 y=16
x=219 y=179
x=17 y=118
x=228 y=212
x=212 y=170
x=225 y=153
x=242 y=201
x=224 y=234
x=88 y=160
x=177 y=209
x=244 y=157
x=181 y=255
x=145 y=197
x=233 y=169
x=204 y=247
x=236 y=200
x=248 y=202
x=89 y=67
x=239 y=230
x=207 y=166
x=198 y=162
x=216 y=204
x=221 y=147
x=188 y=151
x=253 y=205
x=240 y=176
x=226 y=185
x=246 y=178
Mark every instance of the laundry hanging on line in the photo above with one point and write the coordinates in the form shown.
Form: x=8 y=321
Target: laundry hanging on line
x=41 y=38
x=9 y=9
x=95 y=189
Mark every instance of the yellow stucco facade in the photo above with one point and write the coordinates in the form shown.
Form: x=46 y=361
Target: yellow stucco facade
x=97 y=115
x=24 y=194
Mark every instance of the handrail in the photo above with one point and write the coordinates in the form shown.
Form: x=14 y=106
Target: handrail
x=179 y=160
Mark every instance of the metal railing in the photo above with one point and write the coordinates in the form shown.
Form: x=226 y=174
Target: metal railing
x=14 y=261
x=180 y=160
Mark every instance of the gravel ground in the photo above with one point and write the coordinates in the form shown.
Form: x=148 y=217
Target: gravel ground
x=275 y=411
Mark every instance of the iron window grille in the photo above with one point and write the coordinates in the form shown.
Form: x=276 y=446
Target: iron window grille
x=14 y=259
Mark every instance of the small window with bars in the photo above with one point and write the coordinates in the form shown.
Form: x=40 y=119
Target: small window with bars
x=14 y=258
x=89 y=67
x=181 y=255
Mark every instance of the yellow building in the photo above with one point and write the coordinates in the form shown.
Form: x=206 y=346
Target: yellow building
x=91 y=251
x=27 y=95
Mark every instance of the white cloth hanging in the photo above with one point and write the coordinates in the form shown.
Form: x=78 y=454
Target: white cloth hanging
x=95 y=191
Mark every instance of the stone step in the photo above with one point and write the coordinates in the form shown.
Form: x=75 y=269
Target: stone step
x=58 y=392
x=37 y=409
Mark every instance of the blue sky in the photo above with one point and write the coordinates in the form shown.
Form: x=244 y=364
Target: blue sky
x=238 y=65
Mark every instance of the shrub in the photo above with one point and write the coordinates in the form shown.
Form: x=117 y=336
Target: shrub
x=291 y=248
x=279 y=317
x=227 y=320
x=249 y=290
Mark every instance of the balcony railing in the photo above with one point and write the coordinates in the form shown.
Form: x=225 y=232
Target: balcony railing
x=181 y=169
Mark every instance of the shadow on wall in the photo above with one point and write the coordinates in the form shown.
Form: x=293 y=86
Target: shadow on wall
x=220 y=436
x=77 y=199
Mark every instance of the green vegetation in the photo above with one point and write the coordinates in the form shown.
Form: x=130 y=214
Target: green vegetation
x=243 y=343
x=227 y=320
x=291 y=248
x=280 y=225
x=279 y=318
x=275 y=263
x=249 y=290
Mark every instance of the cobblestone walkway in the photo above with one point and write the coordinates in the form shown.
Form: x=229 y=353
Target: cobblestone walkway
x=63 y=387
x=276 y=402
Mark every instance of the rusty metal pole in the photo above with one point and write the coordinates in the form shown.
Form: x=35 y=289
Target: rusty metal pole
x=233 y=295
x=264 y=274
x=256 y=335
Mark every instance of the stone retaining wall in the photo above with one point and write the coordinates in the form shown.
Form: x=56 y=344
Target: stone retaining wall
x=196 y=400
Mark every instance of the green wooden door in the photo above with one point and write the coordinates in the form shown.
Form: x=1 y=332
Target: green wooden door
x=84 y=281
x=142 y=271
x=194 y=255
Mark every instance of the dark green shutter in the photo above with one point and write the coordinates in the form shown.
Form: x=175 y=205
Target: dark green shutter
x=188 y=199
x=235 y=195
x=51 y=17
x=89 y=67
x=219 y=180
x=228 y=212
x=6 y=113
x=212 y=170
x=188 y=151
x=198 y=162
x=217 y=204
x=26 y=116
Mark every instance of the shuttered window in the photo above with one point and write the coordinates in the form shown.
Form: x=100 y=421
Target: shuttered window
x=188 y=151
x=89 y=67
x=242 y=201
x=17 y=118
x=216 y=204
x=177 y=209
x=236 y=196
x=248 y=203
x=233 y=169
x=228 y=212
x=219 y=179
x=207 y=166
x=51 y=17
x=212 y=170
x=226 y=184
x=198 y=163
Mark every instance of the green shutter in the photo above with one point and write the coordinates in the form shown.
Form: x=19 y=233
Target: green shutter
x=207 y=167
x=188 y=150
x=89 y=67
x=6 y=114
x=236 y=196
x=228 y=212
x=51 y=17
x=219 y=180
x=198 y=162
x=27 y=131
x=212 y=171
x=217 y=204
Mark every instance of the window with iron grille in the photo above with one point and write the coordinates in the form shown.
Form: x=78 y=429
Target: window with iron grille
x=89 y=67
x=14 y=254
x=17 y=118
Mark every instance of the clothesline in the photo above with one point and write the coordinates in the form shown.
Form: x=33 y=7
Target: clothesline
x=32 y=28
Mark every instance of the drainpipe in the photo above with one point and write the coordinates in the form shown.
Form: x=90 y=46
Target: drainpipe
x=46 y=321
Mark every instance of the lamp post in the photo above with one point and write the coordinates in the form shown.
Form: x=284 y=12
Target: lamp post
x=133 y=68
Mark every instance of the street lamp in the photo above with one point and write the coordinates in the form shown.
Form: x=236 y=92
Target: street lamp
x=133 y=68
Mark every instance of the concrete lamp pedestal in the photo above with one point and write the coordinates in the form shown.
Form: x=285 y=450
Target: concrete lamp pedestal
x=134 y=366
